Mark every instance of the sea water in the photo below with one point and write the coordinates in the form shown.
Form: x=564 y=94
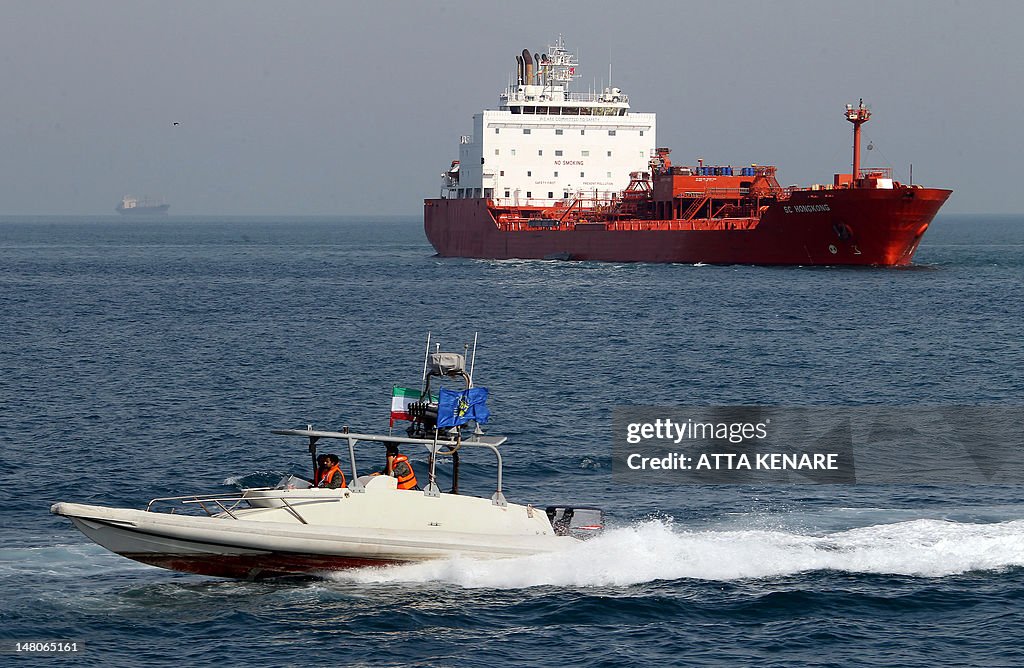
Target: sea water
x=141 y=359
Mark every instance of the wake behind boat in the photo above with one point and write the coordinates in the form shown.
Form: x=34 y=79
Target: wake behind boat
x=298 y=529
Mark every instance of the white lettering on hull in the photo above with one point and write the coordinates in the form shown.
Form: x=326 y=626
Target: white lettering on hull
x=806 y=208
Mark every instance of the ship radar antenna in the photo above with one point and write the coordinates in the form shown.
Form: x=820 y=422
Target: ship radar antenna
x=858 y=115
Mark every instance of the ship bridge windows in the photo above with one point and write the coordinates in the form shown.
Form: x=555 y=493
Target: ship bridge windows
x=567 y=110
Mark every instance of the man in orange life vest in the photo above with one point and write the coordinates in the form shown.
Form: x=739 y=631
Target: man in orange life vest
x=398 y=466
x=330 y=475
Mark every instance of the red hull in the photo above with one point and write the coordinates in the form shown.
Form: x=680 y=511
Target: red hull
x=855 y=226
x=255 y=566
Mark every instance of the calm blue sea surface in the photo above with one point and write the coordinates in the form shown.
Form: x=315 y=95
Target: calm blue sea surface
x=141 y=359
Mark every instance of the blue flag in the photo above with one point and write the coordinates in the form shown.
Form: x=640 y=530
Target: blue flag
x=458 y=408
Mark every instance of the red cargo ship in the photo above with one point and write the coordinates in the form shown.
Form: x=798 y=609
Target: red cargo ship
x=630 y=204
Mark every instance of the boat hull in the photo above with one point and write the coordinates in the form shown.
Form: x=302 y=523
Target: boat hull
x=216 y=559
x=269 y=541
x=880 y=227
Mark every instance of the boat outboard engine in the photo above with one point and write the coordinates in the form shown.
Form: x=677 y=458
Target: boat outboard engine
x=581 y=522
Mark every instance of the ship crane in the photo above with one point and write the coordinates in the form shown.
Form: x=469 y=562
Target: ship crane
x=858 y=115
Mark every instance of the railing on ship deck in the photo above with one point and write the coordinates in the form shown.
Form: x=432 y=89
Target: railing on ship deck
x=696 y=224
x=881 y=172
x=601 y=204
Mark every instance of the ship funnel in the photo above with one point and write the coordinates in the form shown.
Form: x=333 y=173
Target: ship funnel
x=528 y=63
x=520 y=70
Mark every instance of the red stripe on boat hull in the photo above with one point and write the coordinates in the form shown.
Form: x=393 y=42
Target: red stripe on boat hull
x=255 y=566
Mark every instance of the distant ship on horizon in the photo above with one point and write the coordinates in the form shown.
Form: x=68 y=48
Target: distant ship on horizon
x=137 y=206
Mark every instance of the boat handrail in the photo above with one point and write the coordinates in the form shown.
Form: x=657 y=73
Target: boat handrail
x=235 y=499
x=195 y=498
x=434 y=447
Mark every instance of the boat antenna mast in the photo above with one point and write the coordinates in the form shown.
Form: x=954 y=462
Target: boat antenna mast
x=858 y=115
x=437 y=367
x=426 y=359
x=424 y=413
x=472 y=362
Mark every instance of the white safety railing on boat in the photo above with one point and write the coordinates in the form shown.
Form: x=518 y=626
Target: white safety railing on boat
x=234 y=500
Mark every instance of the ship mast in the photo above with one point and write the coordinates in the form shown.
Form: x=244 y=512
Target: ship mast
x=858 y=115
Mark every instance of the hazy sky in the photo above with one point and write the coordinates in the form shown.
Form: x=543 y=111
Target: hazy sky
x=331 y=107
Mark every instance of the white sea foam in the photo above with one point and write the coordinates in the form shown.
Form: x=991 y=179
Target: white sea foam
x=78 y=560
x=657 y=550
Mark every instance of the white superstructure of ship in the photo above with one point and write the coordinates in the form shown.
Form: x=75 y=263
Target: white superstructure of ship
x=546 y=144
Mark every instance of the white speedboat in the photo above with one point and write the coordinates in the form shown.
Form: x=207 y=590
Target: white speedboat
x=297 y=529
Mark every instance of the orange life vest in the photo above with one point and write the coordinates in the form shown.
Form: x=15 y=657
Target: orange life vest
x=328 y=475
x=407 y=481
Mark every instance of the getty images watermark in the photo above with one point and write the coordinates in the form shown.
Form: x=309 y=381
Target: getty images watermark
x=831 y=445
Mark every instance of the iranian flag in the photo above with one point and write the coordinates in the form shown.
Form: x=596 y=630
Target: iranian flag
x=401 y=397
